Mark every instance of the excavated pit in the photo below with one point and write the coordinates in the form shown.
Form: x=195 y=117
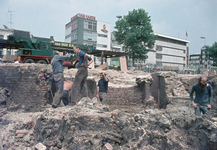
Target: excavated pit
x=131 y=120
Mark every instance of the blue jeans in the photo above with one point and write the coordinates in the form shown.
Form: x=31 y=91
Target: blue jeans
x=202 y=108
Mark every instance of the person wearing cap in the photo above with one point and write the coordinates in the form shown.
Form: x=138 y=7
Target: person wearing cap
x=79 y=83
x=58 y=78
x=203 y=96
x=102 y=88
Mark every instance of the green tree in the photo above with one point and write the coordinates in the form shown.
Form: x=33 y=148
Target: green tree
x=135 y=32
x=211 y=51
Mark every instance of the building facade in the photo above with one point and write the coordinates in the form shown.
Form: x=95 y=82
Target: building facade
x=169 y=53
x=81 y=30
x=3 y=35
x=200 y=60
x=86 y=30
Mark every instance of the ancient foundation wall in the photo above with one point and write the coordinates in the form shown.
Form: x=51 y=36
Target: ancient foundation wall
x=124 y=95
x=29 y=85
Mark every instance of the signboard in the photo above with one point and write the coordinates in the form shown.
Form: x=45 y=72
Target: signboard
x=63 y=44
x=83 y=16
x=104 y=29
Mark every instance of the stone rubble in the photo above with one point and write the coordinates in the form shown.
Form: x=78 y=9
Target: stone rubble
x=131 y=120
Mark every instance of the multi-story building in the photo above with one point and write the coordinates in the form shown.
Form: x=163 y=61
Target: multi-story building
x=86 y=30
x=200 y=60
x=194 y=60
x=169 y=53
x=3 y=35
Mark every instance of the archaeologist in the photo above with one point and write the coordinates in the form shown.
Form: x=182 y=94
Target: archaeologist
x=203 y=96
x=66 y=90
x=57 y=67
x=79 y=84
x=102 y=88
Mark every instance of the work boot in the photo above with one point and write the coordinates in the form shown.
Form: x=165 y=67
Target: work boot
x=54 y=106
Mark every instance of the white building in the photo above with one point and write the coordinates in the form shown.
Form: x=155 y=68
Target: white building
x=4 y=35
x=169 y=53
x=103 y=36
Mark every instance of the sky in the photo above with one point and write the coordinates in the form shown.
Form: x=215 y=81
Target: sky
x=175 y=18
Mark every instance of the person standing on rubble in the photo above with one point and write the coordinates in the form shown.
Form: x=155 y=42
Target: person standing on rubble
x=203 y=96
x=57 y=67
x=79 y=83
x=102 y=88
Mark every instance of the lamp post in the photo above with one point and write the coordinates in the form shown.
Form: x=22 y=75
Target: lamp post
x=203 y=37
x=119 y=17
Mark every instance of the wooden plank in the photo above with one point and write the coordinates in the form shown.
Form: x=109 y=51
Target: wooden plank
x=92 y=64
x=9 y=57
x=103 y=66
x=132 y=69
x=123 y=63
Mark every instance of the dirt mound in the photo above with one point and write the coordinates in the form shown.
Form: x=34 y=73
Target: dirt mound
x=90 y=126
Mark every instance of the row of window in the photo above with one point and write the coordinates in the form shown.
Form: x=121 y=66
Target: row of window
x=160 y=48
x=102 y=35
x=73 y=25
x=90 y=25
x=74 y=36
x=98 y=45
x=171 y=41
x=87 y=36
x=101 y=45
x=88 y=44
x=160 y=56
x=90 y=36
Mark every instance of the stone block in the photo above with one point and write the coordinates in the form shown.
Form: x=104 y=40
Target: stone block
x=40 y=146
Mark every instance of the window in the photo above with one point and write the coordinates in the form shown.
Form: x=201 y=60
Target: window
x=87 y=44
x=159 y=48
x=90 y=25
x=89 y=36
x=159 y=56
x=85 y=24
x=1 y=36
x=74 y=24
x=94 y=26
x=101 y=45
x=94 y=36
x=102 y=35
x=45 y=46
x=68 y=36
x=74 y=36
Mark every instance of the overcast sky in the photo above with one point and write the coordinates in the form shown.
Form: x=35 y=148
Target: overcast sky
x=44 y=18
